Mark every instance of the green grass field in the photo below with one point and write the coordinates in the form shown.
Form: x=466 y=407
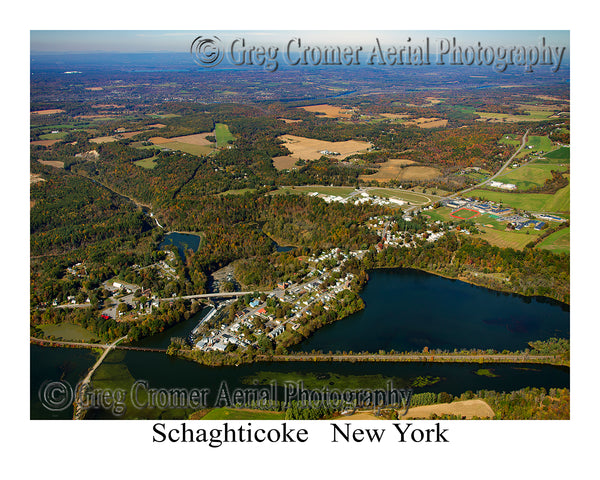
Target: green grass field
x=147 y=163
x=533 y=115
x=222 y=134
x=68 y=332
x=241 y=191
x=224 y=413
x=197 y=150
x=507 y=239
x=533 y=202
x=561 y=155
x=511 y=140
x=531 y=175
x=418 y=198
x=537 y=144
x=441 y=213
x=340 y=191
x=557 y=242
x=53 y=136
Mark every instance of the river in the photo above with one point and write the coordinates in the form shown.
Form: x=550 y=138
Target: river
x=405 y=309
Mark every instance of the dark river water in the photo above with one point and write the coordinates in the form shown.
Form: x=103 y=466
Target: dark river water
x=405 y=310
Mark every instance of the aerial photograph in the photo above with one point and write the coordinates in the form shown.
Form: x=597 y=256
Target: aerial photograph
x=299 y=225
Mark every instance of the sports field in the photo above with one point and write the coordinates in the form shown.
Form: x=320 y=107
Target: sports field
x=465 y=214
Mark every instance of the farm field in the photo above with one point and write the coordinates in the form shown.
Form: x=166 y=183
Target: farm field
x=533 y=202
x=147 y=163
x=68 y=332
x=196 y=139
x=399 y=169
x=557 y=242
x=189 y=148
x=465 y=408
x=225 y=413
x=223 y=134
x=44 y=143
x=285 y=162
x=561 y=155
x=50 y=111
x=329 y=111
x=530 y=175
x=53 y=136
x=533 y=115
x=114 y=138
x=52 y=163
x=427 y=122
x=310 y=148
x=507 y=239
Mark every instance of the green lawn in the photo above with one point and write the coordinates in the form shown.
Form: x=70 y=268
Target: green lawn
x=340 y=191
x=224 y=413
x=530 y=176
x=148 y=163
x=418 y=198
x=562 y=155
x=68 y=332
x=533 y=202
x=557 y=242
x=222 y=134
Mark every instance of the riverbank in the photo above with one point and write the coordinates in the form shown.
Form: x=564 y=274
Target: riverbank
x=476 y=279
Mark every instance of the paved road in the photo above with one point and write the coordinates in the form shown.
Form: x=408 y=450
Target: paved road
x=499 y=172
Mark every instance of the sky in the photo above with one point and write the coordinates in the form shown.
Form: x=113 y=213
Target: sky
x=139 y=41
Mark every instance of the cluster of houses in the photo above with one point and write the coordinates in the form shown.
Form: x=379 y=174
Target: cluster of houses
x=364 y=197
x=304 y=295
